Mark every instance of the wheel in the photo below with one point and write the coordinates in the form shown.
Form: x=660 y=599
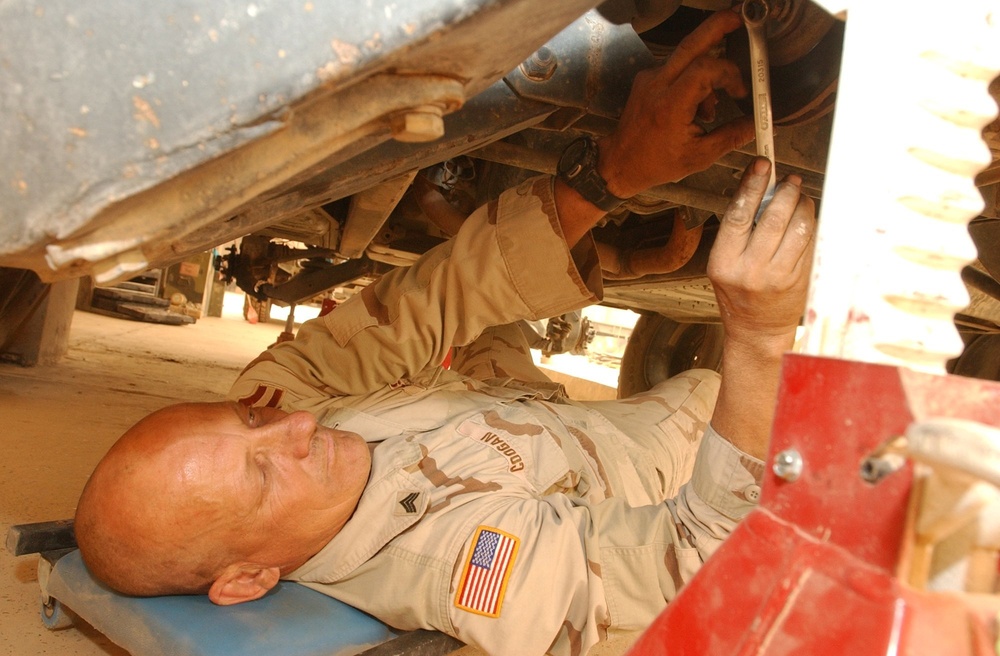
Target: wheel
x=256 y=311
x=54 y=615
x=660 y=348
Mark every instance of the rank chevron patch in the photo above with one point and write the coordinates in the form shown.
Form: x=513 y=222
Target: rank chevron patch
x=408 y=501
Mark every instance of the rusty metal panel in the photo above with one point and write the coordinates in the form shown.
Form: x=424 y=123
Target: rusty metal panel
x=100 y=101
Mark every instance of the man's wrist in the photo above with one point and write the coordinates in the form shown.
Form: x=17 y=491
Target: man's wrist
x=759 y=345
x=619 y=181
x=579 y=170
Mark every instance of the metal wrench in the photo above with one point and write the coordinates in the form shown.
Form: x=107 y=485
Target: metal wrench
x=755 y=13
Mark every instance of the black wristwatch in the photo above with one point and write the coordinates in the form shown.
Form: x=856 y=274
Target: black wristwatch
x=578 y=169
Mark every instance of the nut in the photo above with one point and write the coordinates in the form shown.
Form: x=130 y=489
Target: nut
x=540 y=66
x=788 y=465
x=418 y=125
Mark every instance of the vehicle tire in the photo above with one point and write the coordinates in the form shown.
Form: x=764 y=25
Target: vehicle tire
x=256 y=311
x=660 y=348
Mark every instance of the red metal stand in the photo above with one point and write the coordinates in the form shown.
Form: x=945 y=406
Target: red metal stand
x=813 y=570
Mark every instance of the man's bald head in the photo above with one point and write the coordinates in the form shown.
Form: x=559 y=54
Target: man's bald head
x=196 y=489
x=140 y=529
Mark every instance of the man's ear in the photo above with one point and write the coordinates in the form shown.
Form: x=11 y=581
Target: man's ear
x=243 y=582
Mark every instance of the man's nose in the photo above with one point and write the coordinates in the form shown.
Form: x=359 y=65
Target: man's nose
x=293 y=433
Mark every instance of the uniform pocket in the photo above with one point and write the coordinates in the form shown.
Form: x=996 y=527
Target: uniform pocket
x=514 y=443
x=348 y=320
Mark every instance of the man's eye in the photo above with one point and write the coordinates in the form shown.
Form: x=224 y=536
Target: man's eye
x=252 y=417
x=265 y=477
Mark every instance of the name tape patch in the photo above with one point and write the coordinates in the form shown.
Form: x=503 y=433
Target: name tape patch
x=504 y=449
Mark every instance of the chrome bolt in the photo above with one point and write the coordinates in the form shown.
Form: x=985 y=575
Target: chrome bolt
x=788 y=465
x=540 y=66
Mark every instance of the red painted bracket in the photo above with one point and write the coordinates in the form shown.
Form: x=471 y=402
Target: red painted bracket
x=813 y=570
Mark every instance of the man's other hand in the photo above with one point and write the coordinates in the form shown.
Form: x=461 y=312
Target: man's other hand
x=659 y=139
x=761 y=275
x=761 y=272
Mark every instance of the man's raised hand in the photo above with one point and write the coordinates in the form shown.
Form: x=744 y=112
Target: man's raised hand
x=659 y=139
x=761 y=272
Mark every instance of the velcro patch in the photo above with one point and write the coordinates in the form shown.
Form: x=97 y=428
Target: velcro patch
x=487 y=568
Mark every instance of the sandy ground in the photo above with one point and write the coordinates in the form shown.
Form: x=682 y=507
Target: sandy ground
x=57 y=421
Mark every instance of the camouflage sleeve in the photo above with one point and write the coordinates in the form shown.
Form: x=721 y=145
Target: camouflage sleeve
x=724 y=488
x=500 y=352
x=563 y=575
x=508 y=262
x=532 y=568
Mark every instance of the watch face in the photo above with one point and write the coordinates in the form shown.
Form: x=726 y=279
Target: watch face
x=573 y=157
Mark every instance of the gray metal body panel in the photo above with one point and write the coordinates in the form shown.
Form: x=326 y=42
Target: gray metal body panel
x=101 y=101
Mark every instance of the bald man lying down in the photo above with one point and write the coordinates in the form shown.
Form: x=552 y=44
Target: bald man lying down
x=491 y=508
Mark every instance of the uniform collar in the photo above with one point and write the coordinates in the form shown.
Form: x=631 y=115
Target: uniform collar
x=392 y=501
x=373 y=428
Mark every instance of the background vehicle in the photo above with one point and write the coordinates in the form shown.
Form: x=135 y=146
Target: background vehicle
x=139 y=133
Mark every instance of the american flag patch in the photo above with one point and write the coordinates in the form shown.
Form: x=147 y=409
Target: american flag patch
x=484 y=581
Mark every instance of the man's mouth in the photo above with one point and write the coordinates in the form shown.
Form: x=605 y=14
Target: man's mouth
x=328 y=454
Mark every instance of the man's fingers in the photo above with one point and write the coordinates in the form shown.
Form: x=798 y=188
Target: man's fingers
x=795 y=250
x=723 y=139
x=773 y=222
x=706 y=109
x=700 y=41
x=700 y=80
x=737 y=222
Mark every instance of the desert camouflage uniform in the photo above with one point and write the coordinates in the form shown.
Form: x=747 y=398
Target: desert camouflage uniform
x=497 y=510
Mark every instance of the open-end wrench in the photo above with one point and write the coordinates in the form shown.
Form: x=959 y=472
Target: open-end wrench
x=755 y=14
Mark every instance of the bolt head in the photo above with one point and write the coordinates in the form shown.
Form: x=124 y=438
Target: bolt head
x=788 y=465
x=419 y=125
x=540 y=66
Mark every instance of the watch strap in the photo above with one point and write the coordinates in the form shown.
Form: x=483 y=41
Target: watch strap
x=578 y=169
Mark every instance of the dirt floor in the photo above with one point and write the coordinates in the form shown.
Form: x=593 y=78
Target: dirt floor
x=56 y=422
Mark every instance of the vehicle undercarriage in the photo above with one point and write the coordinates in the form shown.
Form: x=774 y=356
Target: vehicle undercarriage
x=337 y=143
